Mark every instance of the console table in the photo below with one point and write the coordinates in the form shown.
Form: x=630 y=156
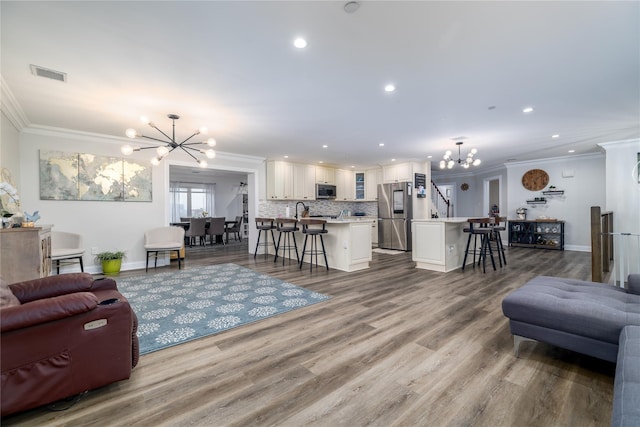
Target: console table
x=25 y=253
x=541 y=233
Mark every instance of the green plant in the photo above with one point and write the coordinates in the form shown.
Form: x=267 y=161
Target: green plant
x=109 y=255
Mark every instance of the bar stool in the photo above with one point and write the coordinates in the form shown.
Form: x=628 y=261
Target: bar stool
x=265 y=224
x=480 y=230
x=286 y=226
x=497 y=228
x=313 y=228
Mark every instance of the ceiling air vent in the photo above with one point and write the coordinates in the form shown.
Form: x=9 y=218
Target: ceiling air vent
x=50 y=74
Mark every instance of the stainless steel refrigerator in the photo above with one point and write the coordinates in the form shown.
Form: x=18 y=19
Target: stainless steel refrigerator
x=395 y=212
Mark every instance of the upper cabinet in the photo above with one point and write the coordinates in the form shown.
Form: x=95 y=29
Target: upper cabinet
x=290 y=181
x=400 y=172
x=304 y=182
x=372 y=178
x=279 y=180
x=325 y=175
x=345 y=185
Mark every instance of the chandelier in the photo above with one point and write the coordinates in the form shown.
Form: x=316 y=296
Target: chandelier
x=171 y=144
x=448 y=161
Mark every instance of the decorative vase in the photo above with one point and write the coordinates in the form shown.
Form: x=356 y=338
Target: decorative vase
x=111 y=266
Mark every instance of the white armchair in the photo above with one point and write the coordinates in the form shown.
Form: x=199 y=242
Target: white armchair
x=66 y=246
x=163 y=239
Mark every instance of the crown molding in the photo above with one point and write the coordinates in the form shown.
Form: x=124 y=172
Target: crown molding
x=617 y=144
x=11 y=108
x=556 y=160
x=119 y=140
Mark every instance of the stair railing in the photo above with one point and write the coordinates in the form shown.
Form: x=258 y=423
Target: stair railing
x=441 y=204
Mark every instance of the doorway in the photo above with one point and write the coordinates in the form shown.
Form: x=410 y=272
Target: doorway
x=492 y=194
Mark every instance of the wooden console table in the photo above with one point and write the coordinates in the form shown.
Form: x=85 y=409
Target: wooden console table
x=25 y=253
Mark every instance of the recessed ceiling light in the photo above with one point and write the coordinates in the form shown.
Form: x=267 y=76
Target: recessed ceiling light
x=429 y=157
x=381 y=144
x=555 y=136
x=527 y=110
x=286 y=157
x=389 y=88
x=300 y=43
x=325 y=146
x=352 y=166
x=320 y=161
x=393 y=160
x=572 y=151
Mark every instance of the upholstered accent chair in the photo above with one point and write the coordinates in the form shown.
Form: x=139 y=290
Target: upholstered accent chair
x=163 y=239
x=66 y=246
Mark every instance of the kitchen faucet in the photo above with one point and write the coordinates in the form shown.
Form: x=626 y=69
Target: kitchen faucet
x=304 y=207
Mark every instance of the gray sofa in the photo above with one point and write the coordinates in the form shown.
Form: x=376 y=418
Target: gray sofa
x=626 y=389
x=589 y=318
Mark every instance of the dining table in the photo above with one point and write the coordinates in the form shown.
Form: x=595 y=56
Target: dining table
x=227 y=225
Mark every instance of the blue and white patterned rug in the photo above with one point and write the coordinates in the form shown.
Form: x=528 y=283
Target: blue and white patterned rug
x=176 y=307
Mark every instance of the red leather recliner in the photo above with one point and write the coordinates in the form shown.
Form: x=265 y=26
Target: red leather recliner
x=62 y=335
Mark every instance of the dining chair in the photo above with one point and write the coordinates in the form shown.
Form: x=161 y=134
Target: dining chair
x=66 y=246
x=236 y=229
x=197 y=228
x=216 y=229
x=163 y=239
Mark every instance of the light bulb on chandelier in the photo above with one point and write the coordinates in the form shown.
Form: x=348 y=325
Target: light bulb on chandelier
x=169 y=143
x=448 y=162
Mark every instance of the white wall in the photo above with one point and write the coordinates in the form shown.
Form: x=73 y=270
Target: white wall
x=228 y=198
x=107 y=225
x=467 y=203
x=584 y=189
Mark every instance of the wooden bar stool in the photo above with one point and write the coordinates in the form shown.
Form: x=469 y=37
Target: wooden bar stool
x=265 y=224
x=288 y=227
x=481 y=230
x=314 y=228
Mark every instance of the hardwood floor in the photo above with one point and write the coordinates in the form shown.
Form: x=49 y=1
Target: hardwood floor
x=395 y=346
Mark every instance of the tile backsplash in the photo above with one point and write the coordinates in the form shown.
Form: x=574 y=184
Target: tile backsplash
x=275 y=209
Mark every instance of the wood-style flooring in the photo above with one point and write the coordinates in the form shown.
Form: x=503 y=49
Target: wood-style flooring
x=394 y=346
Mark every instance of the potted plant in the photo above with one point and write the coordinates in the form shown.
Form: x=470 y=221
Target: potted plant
x=111 y=261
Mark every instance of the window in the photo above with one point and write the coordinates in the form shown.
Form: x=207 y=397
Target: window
x=191 y=200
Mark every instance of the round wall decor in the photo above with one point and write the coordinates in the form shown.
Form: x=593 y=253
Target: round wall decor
x=535 y=179
x=464 y=186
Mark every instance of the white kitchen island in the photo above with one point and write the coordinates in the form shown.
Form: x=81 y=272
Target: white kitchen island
x=439 y=243
x=348 y=244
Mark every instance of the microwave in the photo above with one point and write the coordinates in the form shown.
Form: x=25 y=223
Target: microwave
x=325 y=191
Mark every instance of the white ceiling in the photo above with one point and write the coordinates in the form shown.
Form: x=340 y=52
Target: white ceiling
x=231 y=66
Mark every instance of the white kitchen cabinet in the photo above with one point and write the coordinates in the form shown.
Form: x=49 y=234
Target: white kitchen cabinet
x=400 y=172
x=360 y=192
x=325 y=175
x=279 y=180
x=374 y=233
x=345 y=185
x=371 y=181
x=304 y=182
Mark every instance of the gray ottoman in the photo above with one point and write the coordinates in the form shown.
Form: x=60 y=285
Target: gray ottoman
x=626 y=390
x=582 y=316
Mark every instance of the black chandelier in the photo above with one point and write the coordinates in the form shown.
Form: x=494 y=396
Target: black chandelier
x=448 y=161
x=171 y=144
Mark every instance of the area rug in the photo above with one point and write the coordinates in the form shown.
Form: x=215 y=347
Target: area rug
x=176 y=307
